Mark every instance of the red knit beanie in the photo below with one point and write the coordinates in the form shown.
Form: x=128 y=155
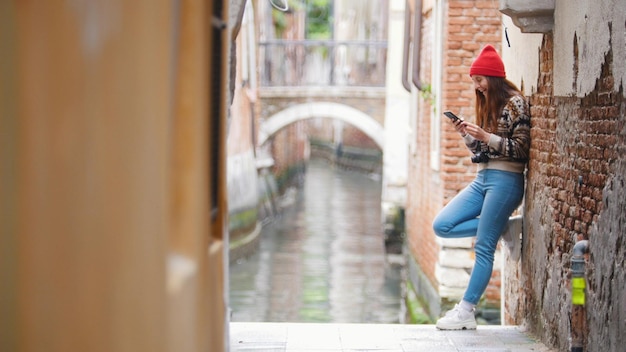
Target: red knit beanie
x=488 y=63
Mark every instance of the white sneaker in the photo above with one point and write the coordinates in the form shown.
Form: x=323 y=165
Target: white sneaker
x=511 y=237
x=457 y=319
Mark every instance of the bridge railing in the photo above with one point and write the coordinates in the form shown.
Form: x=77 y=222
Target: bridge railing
x=322 y=63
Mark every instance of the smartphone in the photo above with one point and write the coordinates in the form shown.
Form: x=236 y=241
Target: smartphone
x=452 y=116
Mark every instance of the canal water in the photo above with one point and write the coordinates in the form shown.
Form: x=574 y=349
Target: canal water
x=323 y=259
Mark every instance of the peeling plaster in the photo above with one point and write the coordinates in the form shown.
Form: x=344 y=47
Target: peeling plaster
x=589 y=20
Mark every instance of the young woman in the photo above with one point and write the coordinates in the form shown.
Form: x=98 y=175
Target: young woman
x=500 y=142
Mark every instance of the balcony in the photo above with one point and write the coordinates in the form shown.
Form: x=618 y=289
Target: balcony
x=322 y=63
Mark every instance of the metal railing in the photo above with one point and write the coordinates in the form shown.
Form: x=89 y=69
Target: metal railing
x=350 y=63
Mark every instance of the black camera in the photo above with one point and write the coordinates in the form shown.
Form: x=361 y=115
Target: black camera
x=480 y=157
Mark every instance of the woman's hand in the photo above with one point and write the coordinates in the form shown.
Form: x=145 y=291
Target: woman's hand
x=475 y=131
x=458 y=125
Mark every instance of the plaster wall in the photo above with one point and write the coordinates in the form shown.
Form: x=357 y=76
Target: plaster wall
x=242 y=182
x=521 y=58
x=596 y=27
x=396 y=112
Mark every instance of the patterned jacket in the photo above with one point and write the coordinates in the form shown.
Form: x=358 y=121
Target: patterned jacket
x=509 y=147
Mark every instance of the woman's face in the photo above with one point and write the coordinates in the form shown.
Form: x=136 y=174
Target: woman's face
x=480 y=83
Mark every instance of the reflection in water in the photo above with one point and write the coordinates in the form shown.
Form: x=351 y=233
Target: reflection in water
x=323 y=260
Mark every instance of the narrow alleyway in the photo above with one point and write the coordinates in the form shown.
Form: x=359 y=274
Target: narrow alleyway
x=320 y=281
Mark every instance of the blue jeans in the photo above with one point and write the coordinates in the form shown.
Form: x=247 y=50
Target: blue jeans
x=482 y=209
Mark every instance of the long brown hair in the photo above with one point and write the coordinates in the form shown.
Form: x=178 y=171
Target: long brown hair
x=489 y=107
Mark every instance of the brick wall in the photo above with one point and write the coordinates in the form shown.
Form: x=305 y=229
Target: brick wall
x=323 y=129
x=575 y=191
x=421 y=205
x=289 y=152
x=354 y=137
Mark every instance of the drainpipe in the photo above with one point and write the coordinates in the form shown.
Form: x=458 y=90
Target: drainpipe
x=415 y=43
x=407 y=45
x=578 y=318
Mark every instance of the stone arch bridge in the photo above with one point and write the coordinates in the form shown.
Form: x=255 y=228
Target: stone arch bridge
x=363 y=108
x=365 y=111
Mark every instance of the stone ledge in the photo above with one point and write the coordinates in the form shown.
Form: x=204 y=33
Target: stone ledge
x=531 y=16
x=456 y=258
x=451 y=278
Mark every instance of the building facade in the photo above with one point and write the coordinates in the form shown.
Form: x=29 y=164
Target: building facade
x=569 y=63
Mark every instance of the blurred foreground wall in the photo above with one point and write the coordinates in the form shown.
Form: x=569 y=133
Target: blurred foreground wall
x=111 y=175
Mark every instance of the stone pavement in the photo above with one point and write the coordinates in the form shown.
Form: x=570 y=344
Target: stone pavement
x=311 y=337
